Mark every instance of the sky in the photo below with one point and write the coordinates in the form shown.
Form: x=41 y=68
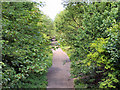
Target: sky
x=52 y=7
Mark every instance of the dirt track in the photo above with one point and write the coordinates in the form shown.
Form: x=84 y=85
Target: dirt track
x=59 y=74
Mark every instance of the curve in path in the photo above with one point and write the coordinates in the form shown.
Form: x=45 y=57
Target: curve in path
x=59 y=74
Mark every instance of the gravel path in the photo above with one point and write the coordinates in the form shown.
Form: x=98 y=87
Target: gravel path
x=59 y=74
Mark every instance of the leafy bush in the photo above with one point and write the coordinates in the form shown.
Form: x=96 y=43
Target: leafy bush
x=92 y=32
x=25 y=48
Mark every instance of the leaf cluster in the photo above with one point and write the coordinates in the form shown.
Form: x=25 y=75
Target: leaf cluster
x=92 y=32
x=25 y=42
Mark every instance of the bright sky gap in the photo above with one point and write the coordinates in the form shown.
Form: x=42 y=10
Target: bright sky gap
x=52 y=7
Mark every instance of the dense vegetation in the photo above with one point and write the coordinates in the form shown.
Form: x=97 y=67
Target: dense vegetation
x=26 y=53
x=92 y=32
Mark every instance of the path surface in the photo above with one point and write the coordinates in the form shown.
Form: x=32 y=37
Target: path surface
x=59 y=74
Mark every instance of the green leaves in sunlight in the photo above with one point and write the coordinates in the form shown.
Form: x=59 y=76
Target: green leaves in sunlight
x=92 y=31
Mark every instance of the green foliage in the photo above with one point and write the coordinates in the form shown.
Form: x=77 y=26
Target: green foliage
x=92 y=32
x=25 y=47
x=34 y=81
